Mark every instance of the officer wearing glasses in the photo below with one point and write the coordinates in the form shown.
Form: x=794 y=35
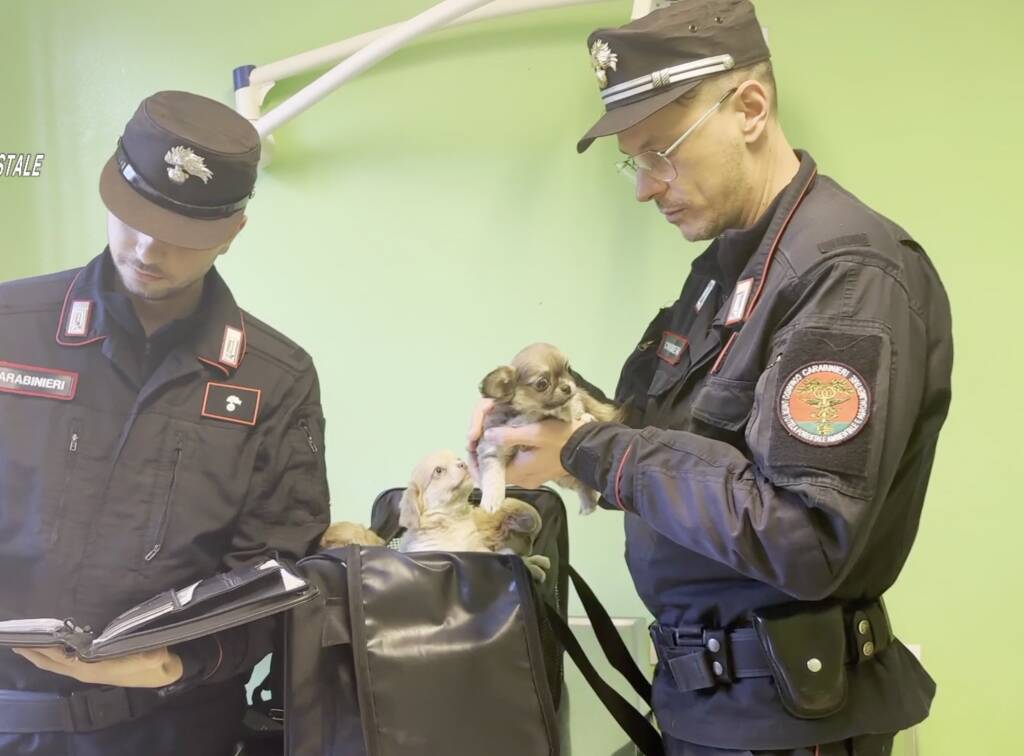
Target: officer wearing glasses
x=783 y=412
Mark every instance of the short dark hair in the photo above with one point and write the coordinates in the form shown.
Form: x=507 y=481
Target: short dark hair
x=761 y=72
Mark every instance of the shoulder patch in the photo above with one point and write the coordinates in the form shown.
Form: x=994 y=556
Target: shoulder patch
x=824 y=403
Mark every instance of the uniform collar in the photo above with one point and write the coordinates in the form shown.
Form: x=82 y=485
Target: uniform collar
x=727 y=256
x=219 y=341
x=751 y=279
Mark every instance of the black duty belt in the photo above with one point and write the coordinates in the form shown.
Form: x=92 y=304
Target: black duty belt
x=700 y=658
x=82 y=711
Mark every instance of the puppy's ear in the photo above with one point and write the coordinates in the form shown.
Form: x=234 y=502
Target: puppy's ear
x=500 y=384
x=410 y=507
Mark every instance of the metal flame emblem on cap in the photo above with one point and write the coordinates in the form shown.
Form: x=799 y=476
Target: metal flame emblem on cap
x=601 y=59
x=184 y=163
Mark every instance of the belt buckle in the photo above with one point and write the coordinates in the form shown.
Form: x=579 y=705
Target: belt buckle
x=98 y=708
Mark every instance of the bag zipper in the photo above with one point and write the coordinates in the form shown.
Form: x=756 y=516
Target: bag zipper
x=165 y=515
x=71 y=458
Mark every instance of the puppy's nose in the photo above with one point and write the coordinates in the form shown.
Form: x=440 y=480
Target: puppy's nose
x=566 y=389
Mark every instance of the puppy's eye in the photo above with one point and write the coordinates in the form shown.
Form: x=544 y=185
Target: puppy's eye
x=542 y=384
x=438 y=470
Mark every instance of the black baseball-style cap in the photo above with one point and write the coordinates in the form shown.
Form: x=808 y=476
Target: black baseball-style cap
x=650 y=62
x=183 y=170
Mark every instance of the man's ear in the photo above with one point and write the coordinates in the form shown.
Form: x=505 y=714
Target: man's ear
x=411 y=507
x=227 y=244
x=755 y=102
x=500 y=384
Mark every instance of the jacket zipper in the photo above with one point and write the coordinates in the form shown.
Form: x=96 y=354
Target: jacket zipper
x=309 y=436
x=71 y=459
x=165 y=515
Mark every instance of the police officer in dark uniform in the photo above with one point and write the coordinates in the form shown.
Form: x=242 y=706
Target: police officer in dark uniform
x=153 y=433
x=783 y=412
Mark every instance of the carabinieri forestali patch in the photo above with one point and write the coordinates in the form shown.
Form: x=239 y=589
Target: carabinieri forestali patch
x=824 y=404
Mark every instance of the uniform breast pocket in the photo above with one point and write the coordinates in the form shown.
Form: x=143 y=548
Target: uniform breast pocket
x=722 y=407
x=195 y=483
x=49 y=460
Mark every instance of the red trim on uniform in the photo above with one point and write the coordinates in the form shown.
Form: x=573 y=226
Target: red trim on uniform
x=775 y=245
x=245 y=338
x=220 y=659
x=225 y=418
x=214 y=364
x=63 y=312
x=52 y=371
x=725 y=350
x=618 y=475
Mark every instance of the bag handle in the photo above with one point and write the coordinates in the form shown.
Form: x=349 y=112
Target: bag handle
x=608 y=637
x=635 y=725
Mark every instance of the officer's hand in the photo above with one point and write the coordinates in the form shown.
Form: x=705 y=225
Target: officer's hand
x=540 y=460
x=149 y=669
x=476 y=428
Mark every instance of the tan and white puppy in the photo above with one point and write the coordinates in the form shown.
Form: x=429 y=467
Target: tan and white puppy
x=536 y=386
x=437 y=515
x=345 y=533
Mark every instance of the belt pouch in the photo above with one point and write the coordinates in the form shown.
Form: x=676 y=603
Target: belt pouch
x=806 y=650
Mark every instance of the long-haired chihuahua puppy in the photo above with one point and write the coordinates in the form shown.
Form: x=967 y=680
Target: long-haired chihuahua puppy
x=537 y=385
x=437 y=515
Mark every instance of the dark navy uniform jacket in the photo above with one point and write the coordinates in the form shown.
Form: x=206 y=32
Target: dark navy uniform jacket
x=744 y=484
x=131 y=466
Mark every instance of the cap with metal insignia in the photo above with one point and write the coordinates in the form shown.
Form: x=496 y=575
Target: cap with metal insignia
x=183 y=170
x=650 y=62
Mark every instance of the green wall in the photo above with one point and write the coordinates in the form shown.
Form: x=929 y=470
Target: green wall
x=431 y=217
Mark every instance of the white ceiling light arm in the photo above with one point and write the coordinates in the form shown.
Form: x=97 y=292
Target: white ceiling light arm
x=357 y=54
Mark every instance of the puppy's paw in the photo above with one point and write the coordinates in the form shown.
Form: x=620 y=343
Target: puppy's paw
x=538 y=565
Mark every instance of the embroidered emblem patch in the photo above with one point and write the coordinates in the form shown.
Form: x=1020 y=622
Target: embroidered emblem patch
x=824 y=404
x=31 y=380
x=233 y=404
x=672 y=347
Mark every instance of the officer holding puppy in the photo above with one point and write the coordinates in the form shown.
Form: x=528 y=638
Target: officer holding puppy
x=153 y=434
x=783 y=412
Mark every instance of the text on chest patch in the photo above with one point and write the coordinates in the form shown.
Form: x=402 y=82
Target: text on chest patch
x=32 y=380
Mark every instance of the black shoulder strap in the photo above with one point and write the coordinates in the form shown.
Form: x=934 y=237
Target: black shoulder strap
x=611 y=642
x=640 y=731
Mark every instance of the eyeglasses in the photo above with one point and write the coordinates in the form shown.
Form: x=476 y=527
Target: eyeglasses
x=656 y=164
